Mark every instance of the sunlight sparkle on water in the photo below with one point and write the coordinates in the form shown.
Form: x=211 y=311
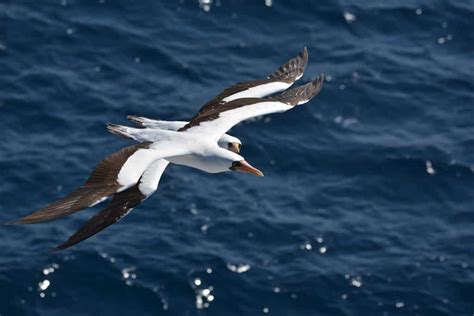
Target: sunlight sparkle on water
x=241 y=268
x=51 y=269
x=44 y=285
x=356 y=282
x=205 y=5
x=128 y=275
x=307 y=246
x=349 y=17
x=429 y=167
x=203 y=296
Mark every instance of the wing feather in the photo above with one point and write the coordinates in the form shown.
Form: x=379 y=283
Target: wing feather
x=115 y=173
x=122 y=204
x=217 y=121
x=278 y=81
x=101 y=183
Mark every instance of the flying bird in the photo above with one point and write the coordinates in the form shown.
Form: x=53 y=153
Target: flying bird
x=132 y=174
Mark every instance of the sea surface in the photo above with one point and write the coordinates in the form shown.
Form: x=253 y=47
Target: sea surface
x=366 y=207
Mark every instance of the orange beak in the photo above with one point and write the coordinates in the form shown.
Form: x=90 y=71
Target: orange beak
x=244 y=166
x=234 y=147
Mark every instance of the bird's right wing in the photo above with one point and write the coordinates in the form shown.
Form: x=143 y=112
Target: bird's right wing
x=121 y=205
x=100 y=185
x=115 y=173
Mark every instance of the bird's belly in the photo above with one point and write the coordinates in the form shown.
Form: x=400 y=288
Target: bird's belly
x=195 y=161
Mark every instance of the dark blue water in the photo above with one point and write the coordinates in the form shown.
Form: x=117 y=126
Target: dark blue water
x=367 y=203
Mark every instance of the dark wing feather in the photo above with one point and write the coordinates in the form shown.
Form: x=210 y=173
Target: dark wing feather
x=291 y=97
x=289 y=72
x=101 y=184
x=301 y=94
x=121 y=204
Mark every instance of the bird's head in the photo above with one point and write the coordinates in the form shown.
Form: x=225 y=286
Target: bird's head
x=231 y=143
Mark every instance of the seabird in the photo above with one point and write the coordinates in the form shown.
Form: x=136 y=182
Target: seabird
x=226 y=141
x=132 y=174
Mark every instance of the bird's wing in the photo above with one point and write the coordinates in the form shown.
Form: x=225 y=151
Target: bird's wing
x=213 y=123
x=277 y=81
x=122 y=204
x=115 y=173
x=100 y=185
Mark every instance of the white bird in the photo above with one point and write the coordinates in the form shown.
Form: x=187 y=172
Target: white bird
x=226 y=141
x=132 y=174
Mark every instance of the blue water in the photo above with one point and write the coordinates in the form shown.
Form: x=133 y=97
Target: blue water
x=366 y=207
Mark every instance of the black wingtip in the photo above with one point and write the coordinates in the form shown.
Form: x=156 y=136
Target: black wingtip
x=302 y=94
x=318 y=83
x=25 y=221
x=67 y=244
x=304 y=54
x=293 y=69
x=58 y=248
x=16 y=222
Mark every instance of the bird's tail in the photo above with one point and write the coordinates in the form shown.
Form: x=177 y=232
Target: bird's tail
x=120 y=130
x=140 y=134
x=141 y=120
x=157 y=124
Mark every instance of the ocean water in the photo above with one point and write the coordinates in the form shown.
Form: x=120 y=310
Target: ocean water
x=366 y=207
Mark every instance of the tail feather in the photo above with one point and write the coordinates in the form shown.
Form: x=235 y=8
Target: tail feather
x=119 y=130
x=140 y=120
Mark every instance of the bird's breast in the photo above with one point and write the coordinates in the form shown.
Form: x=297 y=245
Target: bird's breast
x=196 y=161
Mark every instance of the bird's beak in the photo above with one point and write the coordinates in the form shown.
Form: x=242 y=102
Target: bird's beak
x=234 y=147
x=244 y=166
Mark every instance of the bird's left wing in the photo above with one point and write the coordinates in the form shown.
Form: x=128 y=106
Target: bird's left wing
x=121 y=205
x=214 y=122
x=281 y=79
